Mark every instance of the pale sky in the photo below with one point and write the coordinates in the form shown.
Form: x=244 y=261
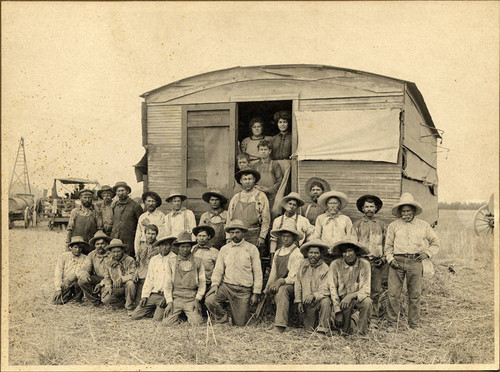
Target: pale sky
x=72 y=73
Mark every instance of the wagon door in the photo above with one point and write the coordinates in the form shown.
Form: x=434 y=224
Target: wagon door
x=209 y=145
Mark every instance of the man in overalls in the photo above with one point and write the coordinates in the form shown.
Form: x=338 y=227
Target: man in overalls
x=185 y=284
x=283 y=272
x=106 y=194
x=216 y=217
x=250 y=206
x=84 y=220
x=291 y=203
x=179 y=219
x=315 y=186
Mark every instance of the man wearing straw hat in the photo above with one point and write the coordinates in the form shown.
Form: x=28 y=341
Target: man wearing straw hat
x=65 y=273
x=283 y=272
x=152 y=216
x=179 y=219
x=104 y=206
x=315 y=186
x=291 y=203
x=185 y=283
x=370 y=232
x=237 y=277
x=350 y=286
x=312 y=294
x=126 y=213
x=94 y=269
x=215 y=216
x=153 y=302
x=409 y=241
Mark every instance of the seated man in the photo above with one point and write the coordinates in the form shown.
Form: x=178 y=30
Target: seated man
x=283 y=271
x=185 y=284
x=94 y=268
x=65 y=278
x=153 y=301
x=350 y=286
x=143 y=254
x=237 y=277
x=311 y=287
x=118 y=282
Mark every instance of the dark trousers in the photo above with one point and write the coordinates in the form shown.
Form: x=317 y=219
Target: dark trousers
x=318 y=315
x=88 y=289
x=351 y=324
x=283 y=298
x=117 y=296
x=412 y=270
x=138 y=291
x=73 y=292
x=376 y=287
x=238 y=298
x=151 y=309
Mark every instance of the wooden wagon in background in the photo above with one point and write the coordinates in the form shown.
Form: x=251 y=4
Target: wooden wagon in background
x=363 y=133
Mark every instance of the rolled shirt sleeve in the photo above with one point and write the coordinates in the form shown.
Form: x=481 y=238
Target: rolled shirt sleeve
x=219 y=268
x=257 y=271
x=433 y=240
x=294 y=262
x=168 y=285
x=202 y=281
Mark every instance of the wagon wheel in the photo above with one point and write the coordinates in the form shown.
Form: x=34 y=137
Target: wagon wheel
x=26 y=217
x=483 y=221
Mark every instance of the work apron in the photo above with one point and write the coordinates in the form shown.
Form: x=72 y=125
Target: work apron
x=185 y=280
x=247 y=213
x=282 y=264
x=219 y=238
x=267 y=180
x=282 y=221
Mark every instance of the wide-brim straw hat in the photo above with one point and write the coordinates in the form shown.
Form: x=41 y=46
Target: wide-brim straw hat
x=105 y=188
x=206 y=196
x=154 y=195
x=77 y=239
x=86 y=191
x=99 y=235
x=323 y=199
x=174 y=194
x=314 y=243
x=277 y=232
x=122 y=184
x=310 y=181
x=209 y=229
x=183 y=238
x=349 y=242
x=292 y=196
x=406 y=199
x=116 y=243
x=361 y=202
x=236 y=224
x=242 y=172
x=163 y=238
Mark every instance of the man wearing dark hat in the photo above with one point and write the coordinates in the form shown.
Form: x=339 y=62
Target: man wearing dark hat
x=283 y=272
x=409 y=241
x=311 y=287
x=179 y=219
x=315 y=186
x=126 y=213
x=350 y=286
x=152 y=216
x=204 y=251
x=94 y=268
x=216 y=216
x=104 y=206
x=370 y=232
x=237 y=277
x=250 y=206
x=185 y=283
x=65 y=273
x=84 y=220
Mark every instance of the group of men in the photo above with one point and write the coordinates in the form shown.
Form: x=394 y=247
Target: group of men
x=321 y=264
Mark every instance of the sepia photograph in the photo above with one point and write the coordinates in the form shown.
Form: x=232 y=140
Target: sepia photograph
x=271 y=185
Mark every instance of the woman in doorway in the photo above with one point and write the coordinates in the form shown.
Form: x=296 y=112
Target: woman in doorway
x=282 y=142
x=250 y=144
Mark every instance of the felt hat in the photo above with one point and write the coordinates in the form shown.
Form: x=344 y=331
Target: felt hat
x=277 y=232
x=164 y=238
x=349 y=242
x=77 y=239
x=116 y=243
x=245 y=171
x=206 y=196
x=310 y=181
x=361 y=201
x=185 y=237
x=175 y=193
x=406 y=199
x=121 y=184
x=235 y=224
x=323 y=199
x=314 y=243
x=99 y=235
x=292 y=196
x=154 y=195
x=85 y=191
x=209 y=229
x=105 y=188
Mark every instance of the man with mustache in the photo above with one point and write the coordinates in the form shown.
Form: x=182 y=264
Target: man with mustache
x=106 y=194
x=315 y=186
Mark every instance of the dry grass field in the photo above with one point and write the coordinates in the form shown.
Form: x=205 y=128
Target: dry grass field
x=457 y=313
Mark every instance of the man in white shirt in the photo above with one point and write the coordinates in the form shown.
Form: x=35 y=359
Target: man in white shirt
x=179 y=219
x=152 y=216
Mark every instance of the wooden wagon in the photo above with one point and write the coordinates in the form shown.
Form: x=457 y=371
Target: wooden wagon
x=363 y=133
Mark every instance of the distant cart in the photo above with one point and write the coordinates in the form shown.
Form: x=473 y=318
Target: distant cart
x=484 y=219
x=21 y=208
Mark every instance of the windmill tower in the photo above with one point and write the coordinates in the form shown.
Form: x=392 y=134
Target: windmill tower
x=20 y=180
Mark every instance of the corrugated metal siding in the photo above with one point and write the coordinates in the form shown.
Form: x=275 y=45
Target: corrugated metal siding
x=423 y=195
x=351 y=103
x=356 y=178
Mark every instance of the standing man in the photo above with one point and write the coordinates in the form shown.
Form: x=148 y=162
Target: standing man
x=204 y=251
x=126 y=213
x=315 y=186
x=106 y=194
x=152 y=216
x=370 y=232
x=270 y=172
x=409 y=241
x=179 y=219
x=237 y=277
x=84 y=220
x=216 y=217
x=350 y=286
x=251 y=207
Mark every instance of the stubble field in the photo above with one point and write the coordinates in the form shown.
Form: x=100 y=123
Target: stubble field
x=457 y=318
